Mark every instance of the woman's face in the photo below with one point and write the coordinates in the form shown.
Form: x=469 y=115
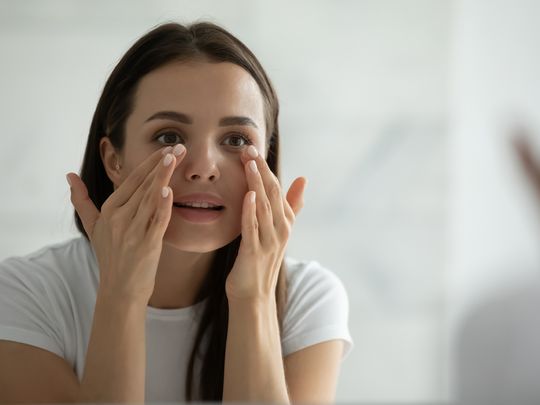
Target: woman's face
x=217 y=111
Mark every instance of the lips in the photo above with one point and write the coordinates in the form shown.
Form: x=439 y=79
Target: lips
x=215 y=208
x=204 y=201
x=199 y=215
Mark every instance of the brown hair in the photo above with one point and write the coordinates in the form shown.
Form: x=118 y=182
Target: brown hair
x=165 y=44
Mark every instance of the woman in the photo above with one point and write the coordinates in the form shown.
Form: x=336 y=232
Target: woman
x=179 y=288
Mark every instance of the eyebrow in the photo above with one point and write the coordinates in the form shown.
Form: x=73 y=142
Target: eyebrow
x=186 y=119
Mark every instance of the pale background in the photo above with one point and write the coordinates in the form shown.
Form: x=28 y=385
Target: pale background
x=395 y=112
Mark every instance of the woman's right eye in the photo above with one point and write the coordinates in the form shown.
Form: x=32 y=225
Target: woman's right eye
x=169 y=137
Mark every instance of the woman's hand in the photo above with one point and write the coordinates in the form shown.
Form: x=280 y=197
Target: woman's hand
x=127 y=235
x=266 y=227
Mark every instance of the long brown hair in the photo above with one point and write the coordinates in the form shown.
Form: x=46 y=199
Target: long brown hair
x=165 y=44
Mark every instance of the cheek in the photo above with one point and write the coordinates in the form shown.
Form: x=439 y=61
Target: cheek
x=242 y=182
x=238 y=185
x=133 y=158
x=128 y=168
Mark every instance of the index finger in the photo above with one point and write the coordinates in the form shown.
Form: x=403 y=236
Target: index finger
x=135 y=178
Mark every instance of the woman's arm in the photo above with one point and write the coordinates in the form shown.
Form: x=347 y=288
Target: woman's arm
x=116 y=358
x=114 y=370
x=312 y=373
x=253 y=361
x=256 y=372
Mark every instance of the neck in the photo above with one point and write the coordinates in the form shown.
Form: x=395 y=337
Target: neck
x=179 y=277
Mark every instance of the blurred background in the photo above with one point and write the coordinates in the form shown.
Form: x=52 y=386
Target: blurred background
x=397 y=111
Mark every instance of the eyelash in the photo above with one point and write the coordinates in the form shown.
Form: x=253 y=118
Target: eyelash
x=246 y=138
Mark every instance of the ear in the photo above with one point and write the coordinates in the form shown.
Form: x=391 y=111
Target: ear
x=110 y=158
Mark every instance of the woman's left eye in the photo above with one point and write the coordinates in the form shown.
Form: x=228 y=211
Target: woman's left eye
x=242 y=138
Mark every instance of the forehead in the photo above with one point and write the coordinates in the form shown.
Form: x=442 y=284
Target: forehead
x=204 y=90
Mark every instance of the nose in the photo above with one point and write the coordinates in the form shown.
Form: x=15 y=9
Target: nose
x=200 y=164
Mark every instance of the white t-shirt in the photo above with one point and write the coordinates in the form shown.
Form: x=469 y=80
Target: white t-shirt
x=47 y=299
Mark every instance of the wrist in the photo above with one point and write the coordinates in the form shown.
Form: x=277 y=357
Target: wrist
x=113 y=301
x=255 y=312
x=252 y=304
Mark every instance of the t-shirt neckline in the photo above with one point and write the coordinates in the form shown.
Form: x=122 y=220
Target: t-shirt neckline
x=175 y=313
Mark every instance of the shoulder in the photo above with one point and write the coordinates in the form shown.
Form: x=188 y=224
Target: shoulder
x=38 y=295
x=308 y=271
x=54 y=260
x=317 y=307
x=60 y=267
x=308 y=280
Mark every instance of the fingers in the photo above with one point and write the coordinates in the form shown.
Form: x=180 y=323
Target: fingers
x=250 y=226
x=272 y=211
x=262 y=203
x=160 y=218
x=127 y=198
x=83 y=204
x=295 y=196
x=283 y=209
x=154 y=211
x=133 y=205
x=294 y=202
x=134 y=180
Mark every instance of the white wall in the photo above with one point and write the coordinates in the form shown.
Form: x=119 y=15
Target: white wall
x=495 y=227
x=494 y=235
x=363 y=87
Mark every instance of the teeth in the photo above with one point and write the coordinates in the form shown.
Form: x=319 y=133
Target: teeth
x=198 y=204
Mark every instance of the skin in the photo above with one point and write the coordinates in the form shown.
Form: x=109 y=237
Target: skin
x=214 y=161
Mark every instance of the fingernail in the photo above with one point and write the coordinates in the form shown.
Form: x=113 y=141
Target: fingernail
x=252 y=152
x=168 y=159
x=179 y=149
x=253 y=166
x=68 y=180
x=165 y=192
x=166 y=150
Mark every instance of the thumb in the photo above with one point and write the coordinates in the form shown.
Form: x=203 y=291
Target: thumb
x=295 y=195
x=84 y=206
